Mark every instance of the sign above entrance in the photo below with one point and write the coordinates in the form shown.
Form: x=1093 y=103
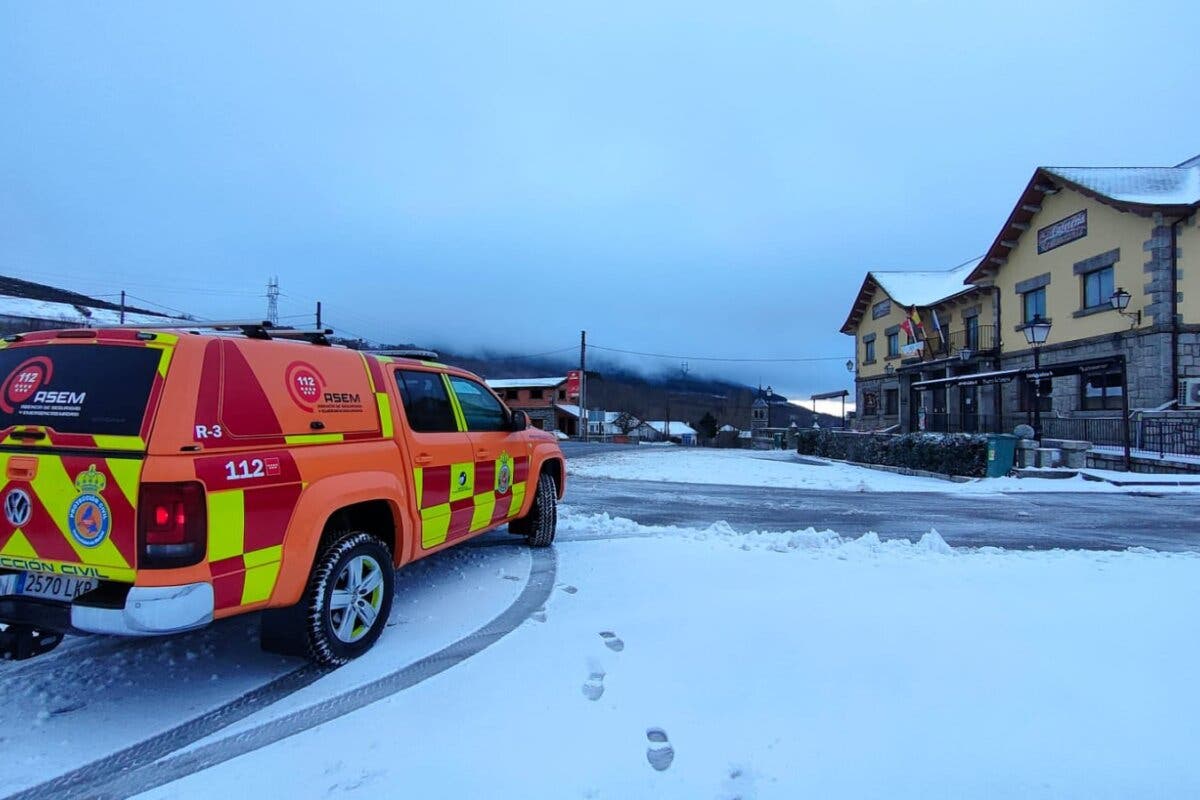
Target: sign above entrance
x=911 y=350
x=1065 y=231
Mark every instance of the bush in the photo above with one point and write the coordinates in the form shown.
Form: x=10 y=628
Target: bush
x=949 y=454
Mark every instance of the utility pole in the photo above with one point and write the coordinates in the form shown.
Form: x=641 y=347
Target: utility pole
x=319 y=315
x=583 y=384
x=273 y=300
x=122 y=306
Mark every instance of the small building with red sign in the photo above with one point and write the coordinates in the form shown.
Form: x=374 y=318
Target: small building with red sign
x=537 y=398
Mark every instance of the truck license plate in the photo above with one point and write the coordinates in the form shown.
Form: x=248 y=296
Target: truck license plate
x=49 y=587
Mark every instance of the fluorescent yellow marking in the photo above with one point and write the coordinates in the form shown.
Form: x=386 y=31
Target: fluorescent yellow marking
x=127 y=472
x=39 y=564
x=385 y=359
x=432 y=363
x=57 y=491
x=419 y=484
x=260 y=582
x=518 y=492
x=19 y=546
x=226 y=524
x=268 y=555
x=435 y=525
x=314 y=438
x=166 y=343
x=385 y=414
x=485 y=504
x=459 y=419
x=105 y=442
x=462 y=480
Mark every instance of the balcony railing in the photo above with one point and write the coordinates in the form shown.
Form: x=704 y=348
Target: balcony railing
x=979 y=340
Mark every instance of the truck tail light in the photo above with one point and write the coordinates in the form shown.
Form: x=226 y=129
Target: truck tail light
x=172 y=524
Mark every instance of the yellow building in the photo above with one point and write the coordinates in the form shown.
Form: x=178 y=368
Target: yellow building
x=1078 y=244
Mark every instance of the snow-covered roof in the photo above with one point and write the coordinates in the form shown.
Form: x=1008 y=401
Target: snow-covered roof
x=924 y=287
x=1163 y=186
x=727 y=429
x=568 y=408
x=70 y=314
x=526 y=383
x=677 y=428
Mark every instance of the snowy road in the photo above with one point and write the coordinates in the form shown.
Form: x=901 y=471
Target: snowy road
x=1091 y=520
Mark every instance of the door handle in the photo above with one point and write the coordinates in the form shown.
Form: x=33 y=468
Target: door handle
x=483 y=455
x=423 y=459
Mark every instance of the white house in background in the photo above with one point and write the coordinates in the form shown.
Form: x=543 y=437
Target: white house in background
x=660 y=430
x=604 y=427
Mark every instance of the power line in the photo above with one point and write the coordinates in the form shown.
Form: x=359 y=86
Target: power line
x=742 y=360
x=160 y=305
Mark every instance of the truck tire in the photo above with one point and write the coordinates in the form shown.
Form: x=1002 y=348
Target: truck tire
x=539 y=525
x=344 y=608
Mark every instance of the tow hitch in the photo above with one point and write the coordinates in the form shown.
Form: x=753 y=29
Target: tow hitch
x=19 y=642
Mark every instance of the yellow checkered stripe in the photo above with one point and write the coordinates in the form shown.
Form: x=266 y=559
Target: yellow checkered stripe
x=465 y=498
x=242 y=576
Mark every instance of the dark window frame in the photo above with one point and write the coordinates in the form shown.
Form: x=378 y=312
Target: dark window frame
x=869 y=351
x=1102 y=299
x=424 y=419
x=1039 y=292
x=1110 y=392
x=891 y=402
x=490 y=417
x=893 y=345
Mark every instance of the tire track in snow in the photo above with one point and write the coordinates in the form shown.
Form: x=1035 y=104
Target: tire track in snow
x=104 y=779
x=76 y=782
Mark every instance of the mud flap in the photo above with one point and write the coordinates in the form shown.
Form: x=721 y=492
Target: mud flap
x=19 y=642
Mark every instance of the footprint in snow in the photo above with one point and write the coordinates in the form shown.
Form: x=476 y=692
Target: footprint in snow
x=593 y=687
x=512 y=577
x=539 y=615
x=612 y=641
x=568 y=588
x=660 y=754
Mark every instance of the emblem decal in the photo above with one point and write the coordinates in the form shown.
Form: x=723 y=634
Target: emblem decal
x=504 y=472
x=17 y=507
x=88 y=518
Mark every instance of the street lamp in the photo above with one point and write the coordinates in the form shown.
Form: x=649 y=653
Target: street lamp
x=1036 y=333
x=890 y=369
x=1120 y=301
x=849 y=365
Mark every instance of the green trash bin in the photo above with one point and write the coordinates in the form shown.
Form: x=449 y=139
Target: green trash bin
x=1002 y=450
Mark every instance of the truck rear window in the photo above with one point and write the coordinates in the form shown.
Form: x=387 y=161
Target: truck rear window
x=77 y=388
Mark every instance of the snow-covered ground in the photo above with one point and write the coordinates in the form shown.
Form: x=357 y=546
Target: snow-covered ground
x=783 y=666
x=784 y=469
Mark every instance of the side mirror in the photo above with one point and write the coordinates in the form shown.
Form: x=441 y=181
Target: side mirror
x=520 y=420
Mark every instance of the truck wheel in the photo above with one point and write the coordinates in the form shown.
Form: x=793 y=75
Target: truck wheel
x=343 y=610
x=539 y=525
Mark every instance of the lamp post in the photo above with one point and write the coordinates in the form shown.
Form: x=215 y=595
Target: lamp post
x=1036 y=332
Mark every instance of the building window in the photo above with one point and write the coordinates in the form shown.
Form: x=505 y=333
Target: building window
x=562 y=394
x=1097 y=288
x=893 y=341
x=869 y=351
x=511 y=394
x=1041 y=396
x=540 y=424
x=1100 y=392
x=881 y=309
x=1033 y=304
x=535 y=394
x=891 y=402
x=972 y=332
x=870 y=404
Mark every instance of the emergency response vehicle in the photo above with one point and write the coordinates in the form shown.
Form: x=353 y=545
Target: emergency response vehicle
x=156 y=480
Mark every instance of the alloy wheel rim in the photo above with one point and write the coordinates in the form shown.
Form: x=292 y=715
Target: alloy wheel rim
x=357 y=599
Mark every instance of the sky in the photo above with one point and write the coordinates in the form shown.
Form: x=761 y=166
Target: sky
x=697 y=180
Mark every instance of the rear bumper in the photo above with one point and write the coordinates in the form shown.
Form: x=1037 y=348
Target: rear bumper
x=149 y=611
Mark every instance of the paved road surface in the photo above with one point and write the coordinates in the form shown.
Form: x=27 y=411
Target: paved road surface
x=1027 y=520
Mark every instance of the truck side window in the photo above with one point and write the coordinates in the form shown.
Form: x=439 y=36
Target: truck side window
x=426 y=403
x=482 y=411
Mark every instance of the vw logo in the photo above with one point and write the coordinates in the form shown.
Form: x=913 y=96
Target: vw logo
x=17 y=507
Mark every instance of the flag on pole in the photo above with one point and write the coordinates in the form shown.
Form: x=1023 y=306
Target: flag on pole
x=937 y=326
x=907 y=327
x=916 y=321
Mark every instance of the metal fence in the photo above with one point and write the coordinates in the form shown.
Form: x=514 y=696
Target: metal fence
x=1167 y=436
x=980 y=339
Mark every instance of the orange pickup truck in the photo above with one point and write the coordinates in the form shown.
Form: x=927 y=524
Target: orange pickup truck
x=156 y=480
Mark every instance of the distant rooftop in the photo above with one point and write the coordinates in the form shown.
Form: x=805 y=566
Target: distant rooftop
x=526 y=383
x=924 y=287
